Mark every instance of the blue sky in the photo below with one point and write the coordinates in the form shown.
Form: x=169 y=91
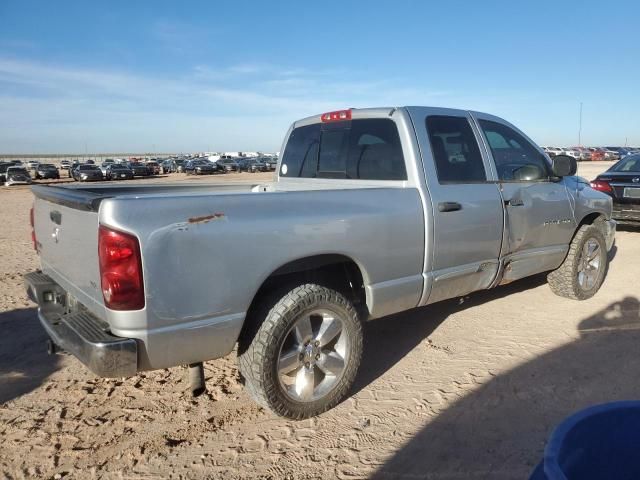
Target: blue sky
x=194 y=76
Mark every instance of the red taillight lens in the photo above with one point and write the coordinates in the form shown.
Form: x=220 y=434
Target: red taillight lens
x=601 y=186
x=33 y=230
x=120 y=270
x=337 y=116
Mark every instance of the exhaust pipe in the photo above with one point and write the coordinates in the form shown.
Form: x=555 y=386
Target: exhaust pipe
x=196 y=379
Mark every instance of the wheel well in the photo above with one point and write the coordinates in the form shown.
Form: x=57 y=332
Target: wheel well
x=597 y=219
x=334 y=271
x=590 y=219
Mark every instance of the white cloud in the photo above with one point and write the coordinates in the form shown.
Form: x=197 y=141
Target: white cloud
x=61 y=105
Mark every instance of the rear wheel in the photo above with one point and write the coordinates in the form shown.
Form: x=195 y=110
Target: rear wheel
x=583 y=270
x=304 y=356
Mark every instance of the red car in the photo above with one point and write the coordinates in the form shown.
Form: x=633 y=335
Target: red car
x=153 y=167
x=597 y=154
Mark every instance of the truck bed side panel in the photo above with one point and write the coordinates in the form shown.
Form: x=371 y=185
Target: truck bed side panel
x=205 y=257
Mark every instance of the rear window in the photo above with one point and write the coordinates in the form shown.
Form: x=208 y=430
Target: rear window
x=367 y=149
x=629 y=164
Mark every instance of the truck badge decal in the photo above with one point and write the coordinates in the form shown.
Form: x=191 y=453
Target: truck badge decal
x=557 y=222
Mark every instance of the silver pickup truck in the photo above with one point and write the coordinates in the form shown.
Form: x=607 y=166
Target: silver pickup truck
x=372 y=212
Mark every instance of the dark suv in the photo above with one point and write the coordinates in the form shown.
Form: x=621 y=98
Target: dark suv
x=87 y=173
x=47 y=170
x=200 y=167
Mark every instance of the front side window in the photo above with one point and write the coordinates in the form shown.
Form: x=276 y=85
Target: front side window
x=455 y=150
x=516 y=158
x=365 y=149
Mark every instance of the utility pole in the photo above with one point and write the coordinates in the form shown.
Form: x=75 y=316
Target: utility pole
x=580 y=127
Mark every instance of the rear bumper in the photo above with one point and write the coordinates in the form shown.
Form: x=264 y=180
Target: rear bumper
x=626 y=213
x=81 y=333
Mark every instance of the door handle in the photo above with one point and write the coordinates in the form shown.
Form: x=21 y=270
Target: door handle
x=449 y=206
x=514 y=203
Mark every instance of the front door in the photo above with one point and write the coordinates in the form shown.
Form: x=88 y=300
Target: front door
x=467 y=228
x=539 y=218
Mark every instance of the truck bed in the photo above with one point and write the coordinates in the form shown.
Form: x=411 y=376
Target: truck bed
x=206 y=249
x=89 y=197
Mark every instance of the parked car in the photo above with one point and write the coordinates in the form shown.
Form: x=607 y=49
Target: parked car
x=32 y=164
x=87 y=173
x=65 y=164
x=139 y=169
x=621 y=151
x=622 y=183
x=117 y=171
x=105 y=164
x=153 y=167
x=201 y=167
x=168 y=166
x=90 y=162
x=572 y=153
x=553 y=151
x=252 y=164
x=610 y=154
x=585 y=153
x=47 y=170
x=229 y=164
x=419 y=220
x=17 y=176
x=597 y=154
x=3 y=171
x=270 y=162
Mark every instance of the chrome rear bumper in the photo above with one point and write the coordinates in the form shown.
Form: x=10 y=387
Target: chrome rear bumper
x=80 y=332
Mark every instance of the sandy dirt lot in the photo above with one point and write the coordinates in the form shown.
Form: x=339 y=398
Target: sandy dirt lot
x=465 y=389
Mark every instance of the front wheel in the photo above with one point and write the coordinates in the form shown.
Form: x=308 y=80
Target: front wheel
x=583 y=270
x=304 y=356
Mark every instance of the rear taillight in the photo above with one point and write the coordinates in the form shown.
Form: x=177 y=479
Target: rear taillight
x=601 y=186
x=120 y=270
x=337 y=116
x=33 y=230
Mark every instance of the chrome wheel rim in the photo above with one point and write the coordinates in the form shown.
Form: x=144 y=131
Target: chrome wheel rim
x=589 y=264
x=313 y=355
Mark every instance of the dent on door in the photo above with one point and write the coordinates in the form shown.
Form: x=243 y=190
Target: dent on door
x=539 y=227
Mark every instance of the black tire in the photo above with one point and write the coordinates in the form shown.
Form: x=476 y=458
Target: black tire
x=564 y=280
x=260 y=348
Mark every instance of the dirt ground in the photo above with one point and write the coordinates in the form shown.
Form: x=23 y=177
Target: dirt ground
x=465 y=389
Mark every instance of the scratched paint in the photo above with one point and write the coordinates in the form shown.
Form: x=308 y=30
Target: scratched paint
x=207 y=218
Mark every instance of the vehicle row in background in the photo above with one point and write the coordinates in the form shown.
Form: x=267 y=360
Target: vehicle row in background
x=121 y=169
x=592 y=153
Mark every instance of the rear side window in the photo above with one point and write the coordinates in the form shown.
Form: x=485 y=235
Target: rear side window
x=367 y=149
x=455 y=150
x=516 y=158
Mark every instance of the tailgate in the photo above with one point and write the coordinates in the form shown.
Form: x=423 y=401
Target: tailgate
x=67 y=239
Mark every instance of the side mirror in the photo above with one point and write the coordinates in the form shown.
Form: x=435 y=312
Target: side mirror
x=564 y=166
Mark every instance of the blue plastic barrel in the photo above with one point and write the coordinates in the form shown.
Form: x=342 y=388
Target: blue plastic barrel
x=600 y=442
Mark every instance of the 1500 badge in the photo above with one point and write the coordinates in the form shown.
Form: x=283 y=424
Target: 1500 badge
x=557 y=222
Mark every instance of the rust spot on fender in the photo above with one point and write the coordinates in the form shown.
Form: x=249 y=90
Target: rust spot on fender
x=207 y=218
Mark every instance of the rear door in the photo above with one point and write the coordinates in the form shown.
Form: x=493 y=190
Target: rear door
x=539 y=218
x=467 y=208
